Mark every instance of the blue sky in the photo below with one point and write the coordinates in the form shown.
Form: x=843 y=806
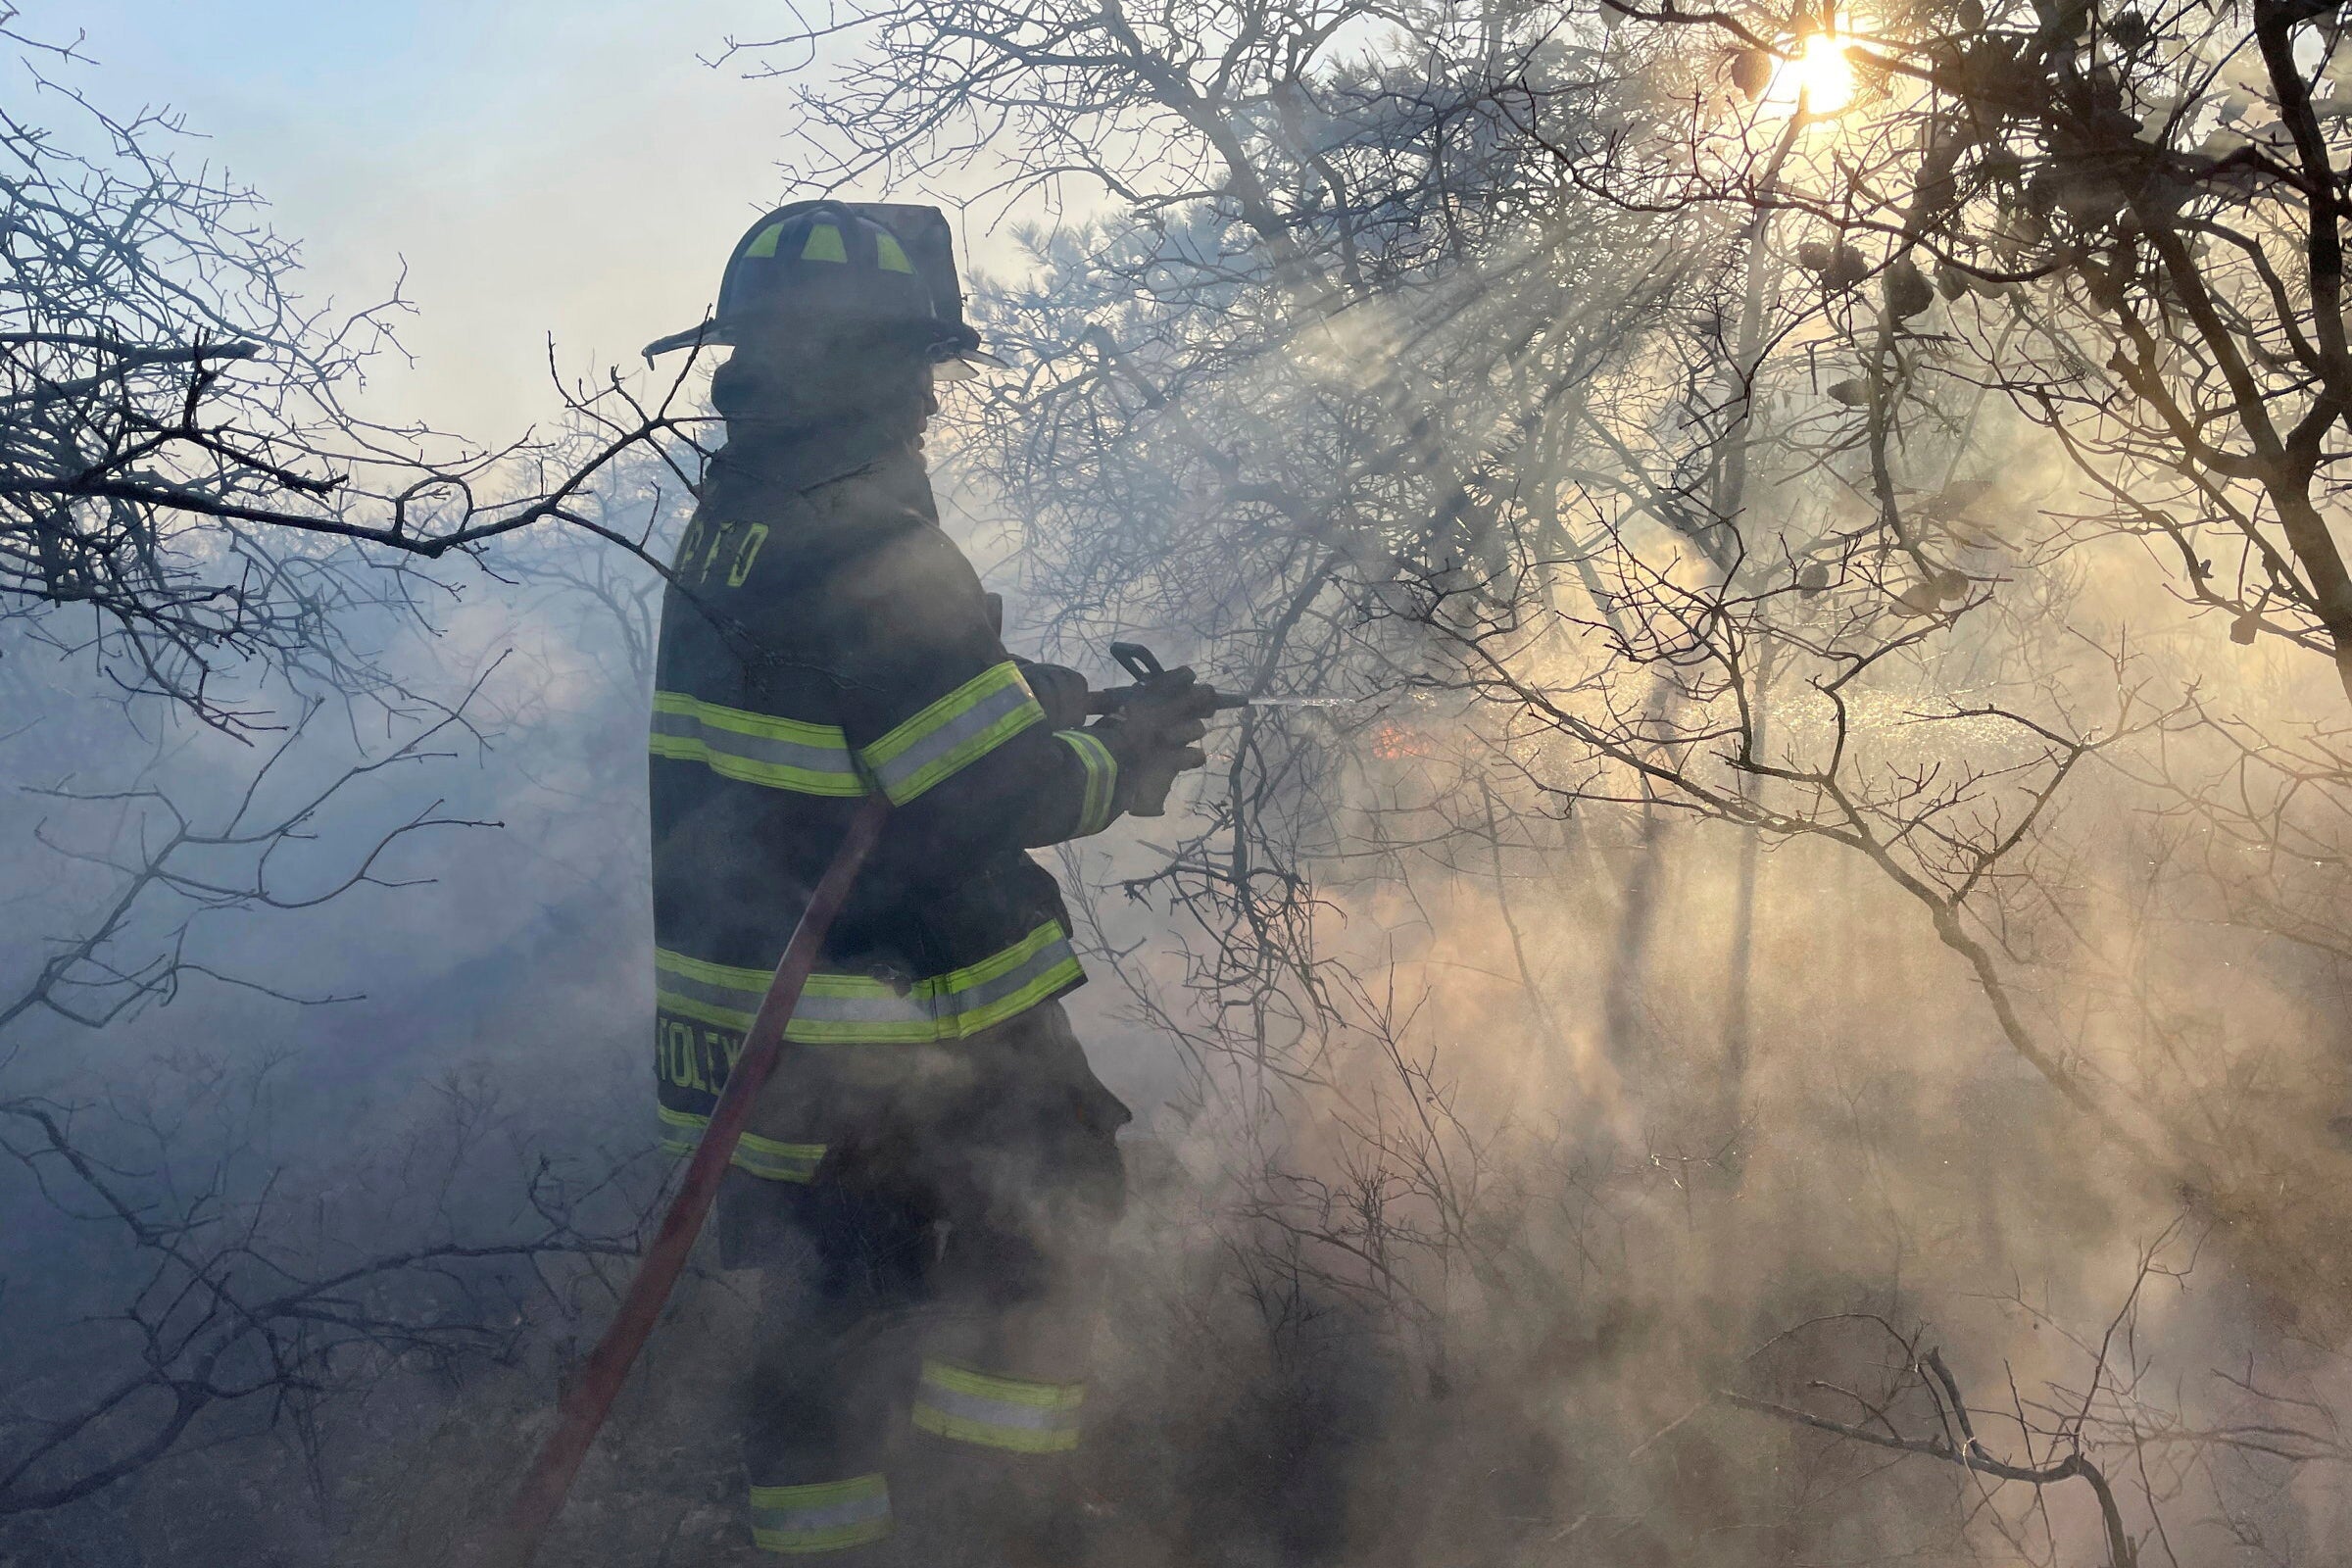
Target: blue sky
x=542 y=168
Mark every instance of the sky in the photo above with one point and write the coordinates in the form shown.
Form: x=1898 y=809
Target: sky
x=570 y=169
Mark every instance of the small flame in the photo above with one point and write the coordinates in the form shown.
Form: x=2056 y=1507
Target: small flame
x=1390 y=742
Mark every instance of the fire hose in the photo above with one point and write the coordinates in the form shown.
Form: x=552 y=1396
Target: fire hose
x=588 y=1400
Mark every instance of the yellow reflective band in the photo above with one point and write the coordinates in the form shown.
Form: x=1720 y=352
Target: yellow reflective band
x=764 y=243
x=953 y=733
x=832 y=1516
x=754 y=1156
x=851 y=1010
x=824 y=245
x=889 y=256
x=998 y=1412
x=784 y=753
x=1102 y=780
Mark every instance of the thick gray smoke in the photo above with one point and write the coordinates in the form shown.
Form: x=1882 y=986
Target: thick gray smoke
x=1792 y=1015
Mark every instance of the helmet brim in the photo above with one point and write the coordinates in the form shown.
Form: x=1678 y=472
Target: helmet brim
x=707 y=334
x=963 y=365
x=958 y=363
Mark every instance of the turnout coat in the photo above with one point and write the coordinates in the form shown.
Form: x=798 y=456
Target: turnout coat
x=823 y=639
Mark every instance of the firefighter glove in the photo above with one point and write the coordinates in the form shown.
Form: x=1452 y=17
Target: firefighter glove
x=1154 y=736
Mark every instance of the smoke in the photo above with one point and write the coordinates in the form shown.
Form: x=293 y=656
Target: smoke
x=377 y=984
x=1454 y=1269
x=1752 y=1042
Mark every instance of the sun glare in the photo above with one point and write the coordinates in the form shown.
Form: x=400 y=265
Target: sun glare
x=1819 y=75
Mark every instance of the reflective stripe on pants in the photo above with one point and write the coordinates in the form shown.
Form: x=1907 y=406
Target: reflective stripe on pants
x=998 y=1412
x=830 y=1516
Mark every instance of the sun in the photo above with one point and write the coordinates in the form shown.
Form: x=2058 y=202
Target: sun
x=1820 y=75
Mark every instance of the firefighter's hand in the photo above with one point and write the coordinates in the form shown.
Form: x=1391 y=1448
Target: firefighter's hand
x=1154 y=736
x=1062 y=692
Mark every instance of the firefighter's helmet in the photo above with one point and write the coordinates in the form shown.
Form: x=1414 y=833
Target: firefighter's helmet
x=842 y=265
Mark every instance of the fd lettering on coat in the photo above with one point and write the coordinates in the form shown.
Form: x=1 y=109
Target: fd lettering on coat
x=707 y=544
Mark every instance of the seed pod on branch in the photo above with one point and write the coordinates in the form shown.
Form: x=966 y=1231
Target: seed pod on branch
x=2105 y=285
x=2041 y=193
x=1991 y=77
x=1908 y=292
x=1838 y=267
x=2014 y=232
x=2089 y=200
x=2064 y=18
x=2220 y=144
x=2001 y=164
x=1751 y=71
x=1922 y=597
x=1938 y=192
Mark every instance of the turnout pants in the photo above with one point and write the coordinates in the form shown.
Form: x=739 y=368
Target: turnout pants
x=929 y=1290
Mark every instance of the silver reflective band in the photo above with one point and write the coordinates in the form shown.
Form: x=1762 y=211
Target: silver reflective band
x=856 y=1009
x=1018 y=1414
x=829 y=1518
x=754 y=1156
x=953 y=733
x=708 y=992
x=1001 y=1413
x=785 y=753
x=849 y=1008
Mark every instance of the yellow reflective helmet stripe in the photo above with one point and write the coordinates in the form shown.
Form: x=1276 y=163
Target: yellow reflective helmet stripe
x=890 y=256
x=953 y=733
x=785 y=753
x=824 y=244
x=765 y=242
x=1101 y=779
x=994 y=1412
x=831 y=1516
x=851 y=1010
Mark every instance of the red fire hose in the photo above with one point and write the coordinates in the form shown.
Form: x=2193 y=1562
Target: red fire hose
x=590 y=1398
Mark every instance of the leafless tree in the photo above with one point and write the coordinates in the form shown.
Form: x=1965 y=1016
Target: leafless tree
x=2130 y=216
x=233 y=1292
x=234 y=1307
x=2056 y=1450
x=197 y=524
x=184 y=481
x=1525 y=378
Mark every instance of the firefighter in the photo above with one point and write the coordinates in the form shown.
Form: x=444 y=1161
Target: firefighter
x=931 y=1176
